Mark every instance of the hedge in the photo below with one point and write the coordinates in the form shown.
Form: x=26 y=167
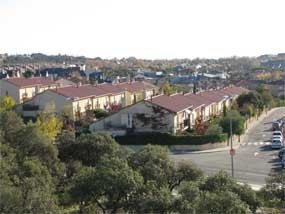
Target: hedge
x=168 y=139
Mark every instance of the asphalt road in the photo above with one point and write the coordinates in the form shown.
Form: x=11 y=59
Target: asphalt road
x=254 y=159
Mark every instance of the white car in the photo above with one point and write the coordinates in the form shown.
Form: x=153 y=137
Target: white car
x=277 y=134
x=277 y=143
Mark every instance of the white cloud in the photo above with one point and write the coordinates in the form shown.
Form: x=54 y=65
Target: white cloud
x=143 y=28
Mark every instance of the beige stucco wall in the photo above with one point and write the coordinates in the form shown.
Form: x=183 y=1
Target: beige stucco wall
x=161 y=120
x=11 y=90
x=117 y=99
x=51 y=100
x=101 y=102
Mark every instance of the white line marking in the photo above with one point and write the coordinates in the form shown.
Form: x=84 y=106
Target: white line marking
x=256 y=153
x=249 y=144
x=261 y=143
x=256 y=143
x=267 y=143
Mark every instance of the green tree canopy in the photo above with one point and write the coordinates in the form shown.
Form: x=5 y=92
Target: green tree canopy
x=89 y=148
x=167 y=89
x=237 y=123
x=7 y=103
x=110 y=186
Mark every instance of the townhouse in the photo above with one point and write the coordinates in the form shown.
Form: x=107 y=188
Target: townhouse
x=22 y=89
x=75 y=101
x=173 y=113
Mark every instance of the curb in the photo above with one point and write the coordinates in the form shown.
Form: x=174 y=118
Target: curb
x=238 y=144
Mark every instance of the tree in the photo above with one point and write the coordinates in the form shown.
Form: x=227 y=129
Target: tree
x=252 y=98
x=7 y=103
x=184 y=172
x=151 y=199
x=28 y=73
x=26 y=186
x=109 y=186
x=167 y=89
x=200 y=126
x=153 y=163
x=10 y=125
x=214 y=129
x=188 y=198
x=49 y=125
x=89 y=149
x=222 y=182
x=237 y=123
x=272 y=194
x=221 y=202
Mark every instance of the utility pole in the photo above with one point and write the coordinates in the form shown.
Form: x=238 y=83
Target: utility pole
x=231 y=138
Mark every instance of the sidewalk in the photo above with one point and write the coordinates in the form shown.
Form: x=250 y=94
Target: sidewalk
x=243 y=138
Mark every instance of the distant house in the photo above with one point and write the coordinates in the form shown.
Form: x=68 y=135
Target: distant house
x=22 y=89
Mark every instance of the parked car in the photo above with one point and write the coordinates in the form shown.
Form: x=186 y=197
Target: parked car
x=277 y=144
x=281 y=153
x=277 y=134
x=277 y=126
x=283 y=162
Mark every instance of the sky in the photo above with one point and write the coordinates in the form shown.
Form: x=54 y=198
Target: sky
x=152 y=29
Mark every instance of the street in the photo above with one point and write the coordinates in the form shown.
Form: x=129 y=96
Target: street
x=254 y=159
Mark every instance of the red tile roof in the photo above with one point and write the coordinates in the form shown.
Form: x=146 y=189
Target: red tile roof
x=80 y=92
x=136 y=86
x=179 y=102
x=113 y=89
x=25 y=82
x=174 y=103
x=234 y=90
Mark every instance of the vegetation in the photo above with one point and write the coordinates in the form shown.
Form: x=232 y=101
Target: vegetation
x=7 y=103
x=167 y=89
x=46 y=170
x=166 y=139
x=273 y=194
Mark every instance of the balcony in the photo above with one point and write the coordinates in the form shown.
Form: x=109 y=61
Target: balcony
x=30 y=107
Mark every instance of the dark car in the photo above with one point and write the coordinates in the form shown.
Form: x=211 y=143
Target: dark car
x=283 y=162
x=281 y=153
x=276 y=126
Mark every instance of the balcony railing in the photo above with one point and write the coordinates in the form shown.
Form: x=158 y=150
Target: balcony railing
x=29 y=107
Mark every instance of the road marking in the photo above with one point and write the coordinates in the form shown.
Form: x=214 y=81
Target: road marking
x=256 y=143
x=249 y=144
x=261 y=143
x=263 y=135
x=267 y=143
x=256 y=153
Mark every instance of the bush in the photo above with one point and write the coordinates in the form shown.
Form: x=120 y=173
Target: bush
x=214 y=129
x=99 y=113
x=157 y=138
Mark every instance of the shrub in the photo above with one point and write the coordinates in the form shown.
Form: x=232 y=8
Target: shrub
x=214 y=129
x=157 y=138
x=99 y=113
